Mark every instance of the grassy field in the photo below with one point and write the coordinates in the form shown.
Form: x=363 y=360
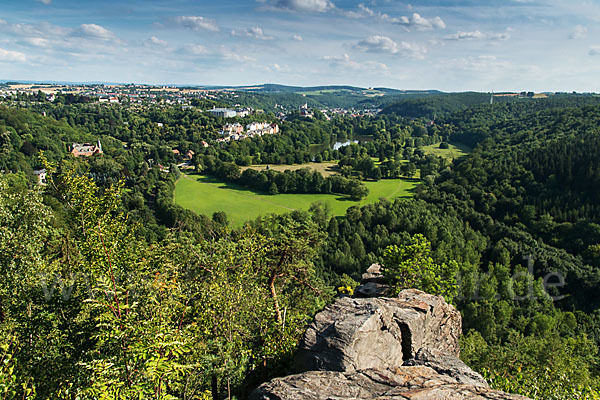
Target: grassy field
x=206 y=195
x=456 y=150
x=325 y=168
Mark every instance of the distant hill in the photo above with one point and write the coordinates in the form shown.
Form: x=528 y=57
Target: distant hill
x=446 y=104
x=440 y=104
x=271 y=87
x=331 y=96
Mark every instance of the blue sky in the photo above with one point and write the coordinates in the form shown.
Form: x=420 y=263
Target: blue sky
x=452 y=45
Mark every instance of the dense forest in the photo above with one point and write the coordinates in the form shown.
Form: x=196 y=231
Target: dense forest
x=125 y=292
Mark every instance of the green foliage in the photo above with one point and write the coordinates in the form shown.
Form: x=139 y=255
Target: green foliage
x=549 y=367
x=169 y=320
x=411 y=266
x=346 y=285
x=129 y=295
x=9 y=384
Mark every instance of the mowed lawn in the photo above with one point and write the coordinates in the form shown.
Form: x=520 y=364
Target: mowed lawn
x=455 y=150
x=206 y=195
x=325 y=168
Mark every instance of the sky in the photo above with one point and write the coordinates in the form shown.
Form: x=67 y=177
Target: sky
x=449 y=45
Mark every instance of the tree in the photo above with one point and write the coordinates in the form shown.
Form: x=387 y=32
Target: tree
x=346 y=170
x=377 y=174
x=122 y=297
x=292 y=244
x=411 y=266
x=230 y=171
x=409 y=169
x=357 y=190
x=220 y=217
x=548 y=367
x=25 y=233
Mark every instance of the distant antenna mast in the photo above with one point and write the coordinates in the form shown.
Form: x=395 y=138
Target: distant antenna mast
x=492 y=98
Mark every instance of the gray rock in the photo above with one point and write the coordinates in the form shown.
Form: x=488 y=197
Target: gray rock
x=447 y=364
x=403 y=348
x=373 y=284
x=403 y=383
x=429 y=321
x=351 y=334
x=372 y=289
x=354 y=333
x=374 y=272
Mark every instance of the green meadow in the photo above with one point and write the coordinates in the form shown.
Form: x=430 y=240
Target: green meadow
x=455 y=150
x=206 y=195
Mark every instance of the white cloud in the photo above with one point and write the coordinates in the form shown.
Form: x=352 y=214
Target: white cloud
x=196 y=49
x=579 y=32
x=415 y=21
x=478 y=35
x=418 y=22
x=8 y=55
x=43 y=29
x=48 y=29
x=366 y=10
x=94 y=31
x=196 y=23
x=362 y=12
x=277 y=68
x=383 y=44
x=253 y=33
x=594 y=51
x=36 y=41
x=297 y=38
x=240 y=58
x=465 y=36
x=154 y=41
x=303 y=5
x=60 y=40
x=46 y=2
x=346 y=62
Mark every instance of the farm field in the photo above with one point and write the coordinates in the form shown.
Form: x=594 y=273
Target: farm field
x=206 y=195
x=325 y=168
x=455 y=150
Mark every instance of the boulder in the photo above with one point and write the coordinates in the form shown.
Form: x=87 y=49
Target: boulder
x=403 y=348
x=362 y=333
x=402 y=383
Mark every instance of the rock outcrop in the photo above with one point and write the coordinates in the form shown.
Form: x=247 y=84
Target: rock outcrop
x=404 y=347
x=403 y=383
x=361 y=333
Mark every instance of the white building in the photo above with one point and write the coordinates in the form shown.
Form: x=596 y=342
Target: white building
x=223 y=112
